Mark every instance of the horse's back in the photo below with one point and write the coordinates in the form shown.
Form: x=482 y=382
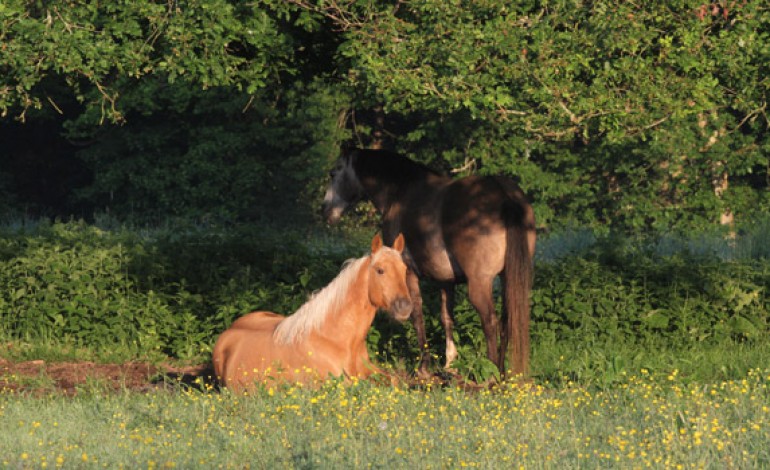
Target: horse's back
x=257 y=320
x=484 y=204
x=474 y=223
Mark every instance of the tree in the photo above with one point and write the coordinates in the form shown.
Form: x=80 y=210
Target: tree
x=619 y=112
x=201 y=108
x=641 y=115
x=99 y=47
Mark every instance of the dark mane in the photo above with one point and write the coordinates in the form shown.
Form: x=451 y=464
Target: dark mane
x=389 y=166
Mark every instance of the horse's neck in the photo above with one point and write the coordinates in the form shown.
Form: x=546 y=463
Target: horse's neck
x=351 y=321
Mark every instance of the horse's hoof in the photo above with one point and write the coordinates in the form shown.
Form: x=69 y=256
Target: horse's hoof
x=424 y=374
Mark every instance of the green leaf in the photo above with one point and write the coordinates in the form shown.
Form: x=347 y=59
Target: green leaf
x=657 y=319
x=743 y=326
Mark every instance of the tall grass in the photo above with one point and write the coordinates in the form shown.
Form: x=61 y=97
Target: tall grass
x=646 y=420
x=751 y=242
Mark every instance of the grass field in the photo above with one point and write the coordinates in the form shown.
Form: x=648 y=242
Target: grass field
x=644 y=420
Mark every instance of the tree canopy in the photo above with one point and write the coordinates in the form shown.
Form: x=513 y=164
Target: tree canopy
x=640 y=115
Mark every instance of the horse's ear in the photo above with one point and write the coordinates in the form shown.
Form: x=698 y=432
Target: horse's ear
x=350 y=155
x=398 y=245
x=347 y=147
x=376 y=243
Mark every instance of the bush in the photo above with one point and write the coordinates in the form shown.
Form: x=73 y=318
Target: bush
x=618 y=307
x=168 y=291
x=74 y=283
x=680 y=299
x=598 y=308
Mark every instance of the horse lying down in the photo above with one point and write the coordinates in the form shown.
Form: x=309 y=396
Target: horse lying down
x=326 y=337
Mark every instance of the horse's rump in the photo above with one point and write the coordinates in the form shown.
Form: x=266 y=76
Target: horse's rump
x=473 y=225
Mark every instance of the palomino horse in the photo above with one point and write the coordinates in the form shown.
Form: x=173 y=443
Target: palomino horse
x=457 y=230
x=326 y=336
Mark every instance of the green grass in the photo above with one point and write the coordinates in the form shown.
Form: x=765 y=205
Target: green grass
x=58 y=351
x=605 y=364
x=645 y=419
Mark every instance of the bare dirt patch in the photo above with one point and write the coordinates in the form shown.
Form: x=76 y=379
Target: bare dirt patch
x=70 y=378
x=38 y=378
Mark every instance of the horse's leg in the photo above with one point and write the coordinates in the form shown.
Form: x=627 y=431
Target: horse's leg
x=418 y=320
x=480 y=295
x=447 y=319
x=364 y=367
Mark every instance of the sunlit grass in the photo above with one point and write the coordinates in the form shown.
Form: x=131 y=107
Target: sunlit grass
x=645 y=419
x=751 y=241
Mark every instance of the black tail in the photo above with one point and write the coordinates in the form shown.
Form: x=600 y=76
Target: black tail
x=517 y=283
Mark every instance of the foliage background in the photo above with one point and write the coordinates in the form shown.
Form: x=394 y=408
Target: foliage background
x=192 y=137
x=632 y=116
x=602 y=306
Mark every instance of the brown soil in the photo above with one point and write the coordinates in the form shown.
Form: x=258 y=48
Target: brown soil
x=71 y=378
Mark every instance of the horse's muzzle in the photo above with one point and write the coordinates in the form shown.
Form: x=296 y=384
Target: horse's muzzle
x=330 y=213
x=401 y=308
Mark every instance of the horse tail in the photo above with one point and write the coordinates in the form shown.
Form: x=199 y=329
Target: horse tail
x=517 y=280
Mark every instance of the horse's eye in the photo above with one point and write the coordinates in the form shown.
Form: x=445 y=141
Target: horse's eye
x=379 y=270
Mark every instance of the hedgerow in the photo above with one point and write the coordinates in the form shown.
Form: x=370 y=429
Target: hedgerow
x=169 y=292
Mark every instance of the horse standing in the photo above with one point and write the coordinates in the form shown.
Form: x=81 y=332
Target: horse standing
x=326 y=336
x=469 y=229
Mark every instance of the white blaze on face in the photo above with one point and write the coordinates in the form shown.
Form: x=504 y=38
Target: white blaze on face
x=333 y=204
x=343 y=189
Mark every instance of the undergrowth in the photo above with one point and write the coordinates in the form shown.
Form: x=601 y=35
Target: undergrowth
x=601 y=305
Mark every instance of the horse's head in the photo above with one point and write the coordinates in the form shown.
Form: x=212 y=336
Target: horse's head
x=344 y=189
x=387 y=279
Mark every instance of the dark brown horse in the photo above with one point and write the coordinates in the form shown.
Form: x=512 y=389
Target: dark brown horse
x=469 y=229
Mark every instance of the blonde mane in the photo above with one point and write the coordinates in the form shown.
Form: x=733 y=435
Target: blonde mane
x=312 y=314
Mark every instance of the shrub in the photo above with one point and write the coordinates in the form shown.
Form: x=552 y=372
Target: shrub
x=167 y=291
x=598 y=308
